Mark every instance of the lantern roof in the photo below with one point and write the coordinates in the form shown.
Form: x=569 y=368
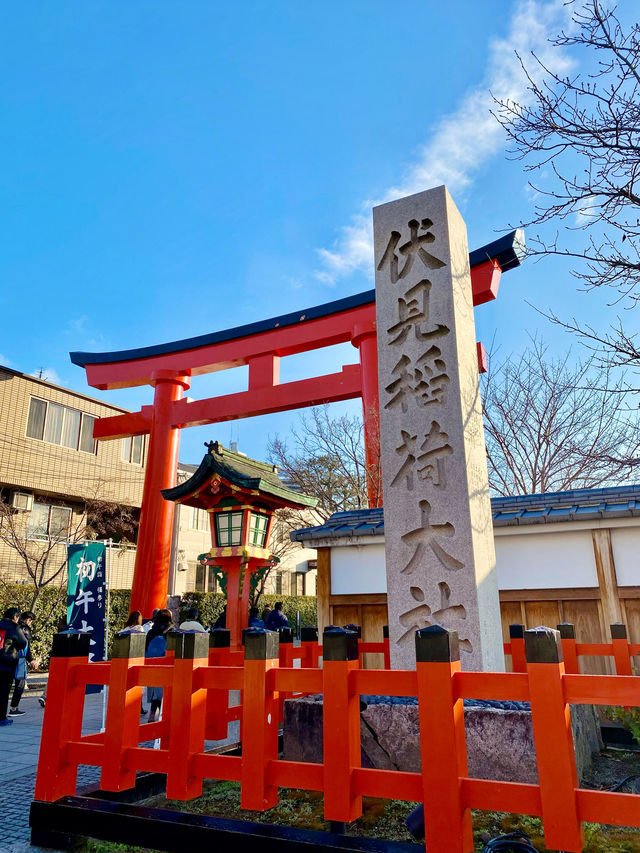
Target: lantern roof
x=224 y=472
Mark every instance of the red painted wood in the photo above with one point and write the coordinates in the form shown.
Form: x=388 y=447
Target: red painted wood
x=151 y=573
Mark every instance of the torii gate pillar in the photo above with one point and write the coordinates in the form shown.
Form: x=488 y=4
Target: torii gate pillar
x=156 y=515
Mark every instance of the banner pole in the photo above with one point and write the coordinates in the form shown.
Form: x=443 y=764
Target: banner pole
x=105 y=653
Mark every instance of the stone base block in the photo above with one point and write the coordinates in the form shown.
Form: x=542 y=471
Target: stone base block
x=499 y=736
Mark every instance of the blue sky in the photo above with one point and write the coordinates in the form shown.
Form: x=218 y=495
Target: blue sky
x=174 y=168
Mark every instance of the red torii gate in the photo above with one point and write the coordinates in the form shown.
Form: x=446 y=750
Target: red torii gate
x=168 y=368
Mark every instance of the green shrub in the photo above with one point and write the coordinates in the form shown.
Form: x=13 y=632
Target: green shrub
x=629 y=718
x=51 y=608
x=209 y=605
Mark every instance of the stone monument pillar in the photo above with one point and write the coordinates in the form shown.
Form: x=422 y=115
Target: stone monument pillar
x=437 y=514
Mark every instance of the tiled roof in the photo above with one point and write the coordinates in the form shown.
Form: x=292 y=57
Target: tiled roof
x=576 y=505
x=241 y=471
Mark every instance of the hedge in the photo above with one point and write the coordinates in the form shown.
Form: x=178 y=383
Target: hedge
x=209 y=605
x=50 y=609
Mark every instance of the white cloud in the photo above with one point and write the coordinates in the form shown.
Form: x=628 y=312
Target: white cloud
x=6 y=362
x=587 y=212
x=463 y=140
x=48 y=374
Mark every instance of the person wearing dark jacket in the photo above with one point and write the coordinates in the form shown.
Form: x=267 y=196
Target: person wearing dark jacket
x=277 y=619
x=12 y=641
x=25 y=663
x=156 y=647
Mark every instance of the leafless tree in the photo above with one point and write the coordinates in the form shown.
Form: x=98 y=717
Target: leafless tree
x=551 y=425
x=42 y=550
x=326 y=460
x=581 y=132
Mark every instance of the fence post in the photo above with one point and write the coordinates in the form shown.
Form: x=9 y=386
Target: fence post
x=569 y=652
x=516 y=635
x=259 y=720
x=285 y=653
x=443 y=752
x=123 y=713
x=285 y=659
x=217 y=727
x=620 y=645
x=340 y=725
x=387 y=650
x=187 y=719
x=309 y=645
x=62 y=718
x=356 y=630
x=553 y=738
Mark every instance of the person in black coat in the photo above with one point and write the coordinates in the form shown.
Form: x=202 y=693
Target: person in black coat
x=277 y=619
x=25 y=663
x=12 y=641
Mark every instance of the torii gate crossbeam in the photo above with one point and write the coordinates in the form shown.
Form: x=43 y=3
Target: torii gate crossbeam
x=168 y=368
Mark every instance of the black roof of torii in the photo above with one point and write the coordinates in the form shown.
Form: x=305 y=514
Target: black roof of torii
x=507 y=250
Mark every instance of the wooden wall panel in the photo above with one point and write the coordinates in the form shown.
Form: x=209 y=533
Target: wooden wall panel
x=510 y=613
x=632 y=618
x=374 y=618
x=323 y=588
x=542 y=613
x=345 y=614
x=586 y=616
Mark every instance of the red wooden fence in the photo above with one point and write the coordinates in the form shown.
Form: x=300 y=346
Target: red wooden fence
x=196 y=679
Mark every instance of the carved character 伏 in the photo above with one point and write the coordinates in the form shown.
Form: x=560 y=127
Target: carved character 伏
x=413 y=248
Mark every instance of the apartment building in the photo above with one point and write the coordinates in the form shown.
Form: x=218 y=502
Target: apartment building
x=50 y=466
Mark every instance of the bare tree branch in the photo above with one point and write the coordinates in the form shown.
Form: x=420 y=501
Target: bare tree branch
x=553 y=426
x=586 y=127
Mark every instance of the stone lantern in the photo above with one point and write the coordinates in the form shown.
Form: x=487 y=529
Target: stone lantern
x=241 y=496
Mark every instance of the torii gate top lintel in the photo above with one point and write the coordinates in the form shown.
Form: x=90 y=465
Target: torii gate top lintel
x=236 y=346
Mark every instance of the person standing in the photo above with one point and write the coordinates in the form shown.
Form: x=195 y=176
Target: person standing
x=265 y=614
x=191 y=622
x=25 y=662
x=277 y=619
x=134 y=624
x=12 y=640
x=254 y=619
x=156 y=647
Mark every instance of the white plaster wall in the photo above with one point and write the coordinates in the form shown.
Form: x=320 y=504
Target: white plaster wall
x=358 y=569
x=546 y=560
x=625 y=542
x=542 y=560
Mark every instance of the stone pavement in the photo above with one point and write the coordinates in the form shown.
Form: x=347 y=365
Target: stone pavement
x=19 y=748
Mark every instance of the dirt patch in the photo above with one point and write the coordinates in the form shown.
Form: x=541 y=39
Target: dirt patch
x=385 y=818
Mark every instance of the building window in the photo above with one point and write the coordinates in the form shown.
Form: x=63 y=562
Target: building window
x=133 y=449
x=228 y=528
x=258 y=529
x=278 y=580
x=199 y=519
x=206 y=580
x=49 y=520
x=300 y=583
x=61 y=425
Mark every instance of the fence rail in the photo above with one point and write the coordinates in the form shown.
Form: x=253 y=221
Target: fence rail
x=196 y=678
x=619 y=649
